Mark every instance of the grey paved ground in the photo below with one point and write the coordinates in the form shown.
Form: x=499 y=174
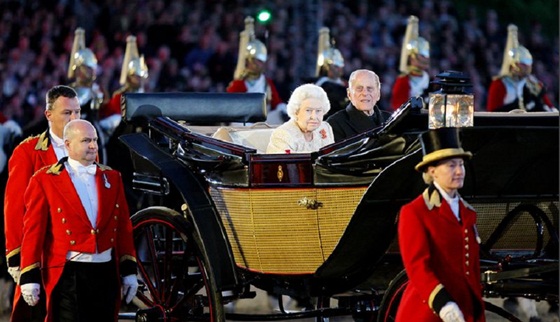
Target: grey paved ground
x=261 y=305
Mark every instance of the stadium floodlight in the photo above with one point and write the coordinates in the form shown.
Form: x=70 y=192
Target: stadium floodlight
x=264 y=16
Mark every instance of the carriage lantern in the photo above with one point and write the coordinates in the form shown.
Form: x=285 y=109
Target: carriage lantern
x=452 y=105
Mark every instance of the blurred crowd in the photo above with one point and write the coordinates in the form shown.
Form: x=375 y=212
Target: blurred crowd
x=192 y=45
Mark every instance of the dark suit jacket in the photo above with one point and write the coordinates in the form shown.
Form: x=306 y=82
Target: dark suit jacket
x=350 y=122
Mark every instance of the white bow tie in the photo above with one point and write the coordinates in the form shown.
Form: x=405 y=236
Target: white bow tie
x=90 y=169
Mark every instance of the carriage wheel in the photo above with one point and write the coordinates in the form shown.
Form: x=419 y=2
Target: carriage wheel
x=174 y=277
x=392 y=299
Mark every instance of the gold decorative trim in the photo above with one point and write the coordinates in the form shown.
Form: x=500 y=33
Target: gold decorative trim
x=280 y=173
x=440 y=155
x=30 y=267
x=14 y=252
x=435 y=292
x=43 y=142
x=128 y=257
x=55 y=169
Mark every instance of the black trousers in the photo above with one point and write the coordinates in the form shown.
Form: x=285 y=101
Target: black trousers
x=86 y=292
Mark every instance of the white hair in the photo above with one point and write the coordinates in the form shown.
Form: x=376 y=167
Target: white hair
x=304 y=92
x=370 y=73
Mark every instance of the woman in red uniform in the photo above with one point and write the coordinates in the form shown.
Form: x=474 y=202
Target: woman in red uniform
x=438 y=239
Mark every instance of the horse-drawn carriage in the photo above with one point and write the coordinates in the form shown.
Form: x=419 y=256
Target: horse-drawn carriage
x=228 y=217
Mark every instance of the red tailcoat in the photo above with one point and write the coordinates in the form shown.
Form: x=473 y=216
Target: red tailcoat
x=29 y=156
x=400 y=92
x=502 y=95
x=407 y=86
x=112 y=107
x=272 y=96
x=56 y=222
x=440 y=254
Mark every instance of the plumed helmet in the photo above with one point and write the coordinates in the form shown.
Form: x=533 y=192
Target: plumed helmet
x=256 y=49
x=249 y=47
x=80 y=55
x=133 y=63
x=327 y=55
x=412 y=44
x=514 y=53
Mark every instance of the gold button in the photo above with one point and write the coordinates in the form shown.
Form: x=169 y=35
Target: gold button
x=468 y=273
x=63 y=220
x=467 y=263
x=116 y=218
x=92 y=231
x=68 y=232
x=97 y=231
x=115 y=229
x=112 y=240
x=466 y=231
x=117 y=206
x=467 y=247
x=467 y=255
x=467 y=239
x=72 y=242
x=59 y=210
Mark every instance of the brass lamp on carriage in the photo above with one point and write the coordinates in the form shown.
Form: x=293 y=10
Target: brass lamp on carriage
x=452 y=105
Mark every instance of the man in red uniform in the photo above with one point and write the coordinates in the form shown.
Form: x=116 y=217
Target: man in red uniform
x=438 y=239
x=249 y=74
x=414 y=64
x=78 y=235
x=32 y=154
x=515 y=87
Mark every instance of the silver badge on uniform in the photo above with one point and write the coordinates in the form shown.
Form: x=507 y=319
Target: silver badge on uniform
x=107 y=184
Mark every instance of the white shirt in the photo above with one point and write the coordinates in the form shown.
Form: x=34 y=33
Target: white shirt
x=58 y=145
x=86 y=187
x=453 y=202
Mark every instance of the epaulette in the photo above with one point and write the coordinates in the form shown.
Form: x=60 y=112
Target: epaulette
x=43 y=142
x=103 y=167
x=55 y=169
x=431 y=197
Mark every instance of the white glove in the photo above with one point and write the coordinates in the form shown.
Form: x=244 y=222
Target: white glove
x=30 y=293
x=14 y=272
x=129 y=287
x=450 y=312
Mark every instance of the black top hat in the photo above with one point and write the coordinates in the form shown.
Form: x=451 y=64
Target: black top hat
x=440 y=144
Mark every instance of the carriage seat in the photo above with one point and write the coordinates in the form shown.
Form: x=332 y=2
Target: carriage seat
x=256 y=136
